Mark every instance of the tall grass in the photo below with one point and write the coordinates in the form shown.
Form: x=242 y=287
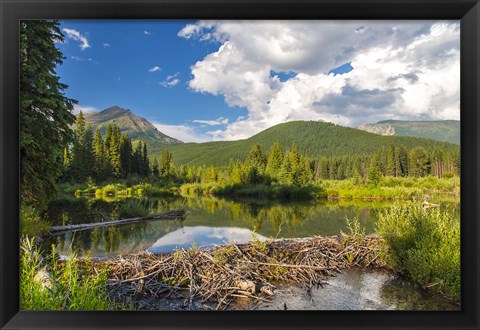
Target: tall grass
x=31 y=223
x=389 y=188
x=69 y=285
x=424 y=243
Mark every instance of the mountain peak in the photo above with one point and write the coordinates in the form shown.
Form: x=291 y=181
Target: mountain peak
x=137 y=127
x=115 y=110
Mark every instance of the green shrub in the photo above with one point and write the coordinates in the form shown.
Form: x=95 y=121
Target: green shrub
x=424 y=243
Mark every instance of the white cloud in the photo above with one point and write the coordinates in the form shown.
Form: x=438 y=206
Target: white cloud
x=146 y=32
x=75 y=35
x=216 y=122
x=84 y=109
x=155 y=69
x=171 y=80
x=183 y=133
x=105 y=44
x=401 y=70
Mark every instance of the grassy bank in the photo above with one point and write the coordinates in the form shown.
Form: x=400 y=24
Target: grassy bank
x=250 y=190
x=424 y=244
x=388 y=188
x=51 y=285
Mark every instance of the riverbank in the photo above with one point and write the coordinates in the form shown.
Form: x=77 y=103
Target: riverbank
x=388 y=188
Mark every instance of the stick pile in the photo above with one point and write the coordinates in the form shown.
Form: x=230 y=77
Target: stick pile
x=237 y=271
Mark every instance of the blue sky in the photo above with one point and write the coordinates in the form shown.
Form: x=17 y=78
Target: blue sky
x=120 y=68
x=208 y=80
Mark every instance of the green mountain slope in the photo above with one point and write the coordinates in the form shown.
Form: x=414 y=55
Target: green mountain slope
x=442 y=130
x=314 y=138
x=137 y=127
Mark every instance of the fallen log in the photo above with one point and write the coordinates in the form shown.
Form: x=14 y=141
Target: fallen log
x=167 y=215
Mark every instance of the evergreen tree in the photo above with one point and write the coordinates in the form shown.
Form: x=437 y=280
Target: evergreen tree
x=100 y=156
x=419 y=162
x=401 y=157
x=88 y=150
x=256 y=158
x=286 y=176
x=145 y=160
x=78 y=169
x=45 y=113
x=126 y=155
x=137 y=159
x=374 y=173
x=274 y=161
x=438 y=162
x=165 y=162
x=390 y=168
x=235 y=171
x=114 y=152
x=155 y=168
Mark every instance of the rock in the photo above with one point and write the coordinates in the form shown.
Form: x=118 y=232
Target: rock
x=44 y=277
x=266 y=290
x=246 y=285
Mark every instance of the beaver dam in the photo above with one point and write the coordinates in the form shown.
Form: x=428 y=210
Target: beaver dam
x=216 y=278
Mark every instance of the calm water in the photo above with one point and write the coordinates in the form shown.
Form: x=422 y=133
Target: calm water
x=209 y=221
x=361 y=289
x=213 y=221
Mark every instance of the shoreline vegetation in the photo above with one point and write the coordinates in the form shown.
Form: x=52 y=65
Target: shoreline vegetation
x=388 y=188
x=422 y=244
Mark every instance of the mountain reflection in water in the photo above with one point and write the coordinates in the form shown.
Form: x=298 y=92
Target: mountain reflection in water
x=202 y=237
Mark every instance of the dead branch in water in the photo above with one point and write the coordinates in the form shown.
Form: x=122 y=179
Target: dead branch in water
x=167 y=215
x=247 y=270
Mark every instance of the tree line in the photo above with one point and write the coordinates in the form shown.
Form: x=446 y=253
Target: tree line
x=113 y=157
x=294 y=168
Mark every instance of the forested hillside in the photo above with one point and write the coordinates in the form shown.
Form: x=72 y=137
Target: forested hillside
x=312 y=138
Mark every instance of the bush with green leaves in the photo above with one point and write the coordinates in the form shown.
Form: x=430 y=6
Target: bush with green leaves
x=424 y=243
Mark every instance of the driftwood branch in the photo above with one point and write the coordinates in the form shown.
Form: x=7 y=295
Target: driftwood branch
x=167 y=215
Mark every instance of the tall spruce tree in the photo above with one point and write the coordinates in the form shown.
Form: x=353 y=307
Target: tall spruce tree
x=165 y=162
x=137 y=159
x=45 y=111
x=155 y=168
x=126 y=155
x=77 y=167
x=89 y=155
x=100 y=156
x=114 y=152
x=419 y=164
x=274 y=161
x=145 y=160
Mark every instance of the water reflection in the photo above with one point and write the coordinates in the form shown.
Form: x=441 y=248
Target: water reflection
x=272 y=219
x=361 y=289
x=202 y=237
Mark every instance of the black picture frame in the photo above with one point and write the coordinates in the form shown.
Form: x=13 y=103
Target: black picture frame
x=468 y=11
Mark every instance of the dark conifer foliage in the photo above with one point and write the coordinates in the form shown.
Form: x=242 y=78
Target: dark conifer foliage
x=101 y=160
x=45 y=112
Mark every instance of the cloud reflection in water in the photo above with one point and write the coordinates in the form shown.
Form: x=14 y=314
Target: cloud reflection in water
x=203 y=237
